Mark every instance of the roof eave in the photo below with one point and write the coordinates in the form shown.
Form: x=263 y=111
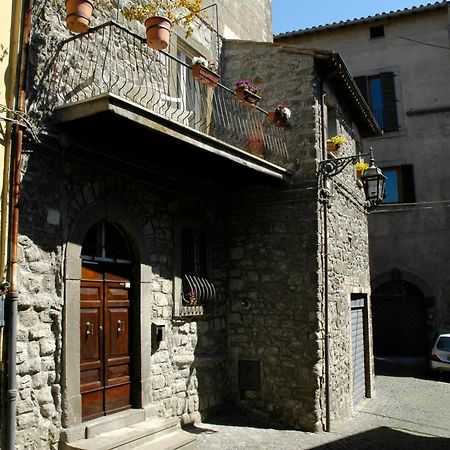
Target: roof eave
x=367 y=124
x=362 y=20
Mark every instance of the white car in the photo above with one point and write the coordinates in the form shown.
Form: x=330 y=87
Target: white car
x=440 y=353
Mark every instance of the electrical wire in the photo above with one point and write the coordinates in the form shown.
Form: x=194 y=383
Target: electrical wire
x=411 y=206
x=424 y=43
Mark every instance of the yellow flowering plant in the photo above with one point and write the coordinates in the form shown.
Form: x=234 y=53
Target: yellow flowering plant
x=338 y=140
x=361 y=166
x=182 y=12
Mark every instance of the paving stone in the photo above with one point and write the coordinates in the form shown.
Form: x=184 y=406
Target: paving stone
x=407 y=412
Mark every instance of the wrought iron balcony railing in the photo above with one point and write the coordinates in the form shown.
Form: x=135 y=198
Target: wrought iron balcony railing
x=112 y=59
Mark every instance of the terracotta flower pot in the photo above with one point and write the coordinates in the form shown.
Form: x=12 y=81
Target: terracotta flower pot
x=79 y=15
x=332 y=148
x=205 y=75
x=256 y=146
x=158 y=32
x=247 y=97
x=276 y=119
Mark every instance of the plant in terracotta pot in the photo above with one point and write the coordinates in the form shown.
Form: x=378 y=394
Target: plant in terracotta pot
x=279 y=116
x=158 y=16
x=361 y=167
x=334 y=143
x=256 y=140
x=205 y=71
x=247 y=93
x=190 y=298
x=79 y=15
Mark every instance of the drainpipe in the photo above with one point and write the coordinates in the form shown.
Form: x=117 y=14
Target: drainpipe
x=325 y=202
x=10 y=75
x=16 y=162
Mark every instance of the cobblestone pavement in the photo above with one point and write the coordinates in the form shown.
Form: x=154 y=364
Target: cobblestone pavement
x=409 y=411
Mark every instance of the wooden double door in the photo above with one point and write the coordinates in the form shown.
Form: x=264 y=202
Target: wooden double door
x=105 y=345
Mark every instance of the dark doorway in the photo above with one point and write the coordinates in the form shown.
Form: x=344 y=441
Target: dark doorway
x=399 y=320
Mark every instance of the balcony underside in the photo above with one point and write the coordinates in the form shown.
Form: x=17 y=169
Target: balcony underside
x=124 y=131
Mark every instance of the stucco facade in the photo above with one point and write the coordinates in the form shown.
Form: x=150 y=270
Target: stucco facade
x=408 y=236
x=123 y=196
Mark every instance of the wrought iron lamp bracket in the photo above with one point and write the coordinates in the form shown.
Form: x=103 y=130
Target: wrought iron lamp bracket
x=331 y=167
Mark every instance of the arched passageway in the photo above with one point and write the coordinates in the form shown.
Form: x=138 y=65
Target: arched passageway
x=399 y=320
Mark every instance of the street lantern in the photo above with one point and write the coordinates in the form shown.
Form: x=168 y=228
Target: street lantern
x=373 y=179
x=374 y=182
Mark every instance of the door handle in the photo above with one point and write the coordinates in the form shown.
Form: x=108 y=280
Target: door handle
x=89 y=328
x=120 y=326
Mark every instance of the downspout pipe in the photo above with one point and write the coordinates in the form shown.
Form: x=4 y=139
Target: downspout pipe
x=325 y=202
x=13 y=294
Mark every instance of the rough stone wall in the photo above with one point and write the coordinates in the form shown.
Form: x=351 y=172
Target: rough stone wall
x=187 y=368
x=348 y=265
x=275 y=314
x=282 y=324
x=274 y=305
x=284 y=75
x=348 y=268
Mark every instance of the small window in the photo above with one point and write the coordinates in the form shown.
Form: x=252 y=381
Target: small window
x=379 y=92
x=105 y=242
x=193 y=289
x=193 y=252
x=376 y=32
x=399 y=186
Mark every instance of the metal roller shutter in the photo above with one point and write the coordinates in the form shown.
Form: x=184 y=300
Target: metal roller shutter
x=358 y=348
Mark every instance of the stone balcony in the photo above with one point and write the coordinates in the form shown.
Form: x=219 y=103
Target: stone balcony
x=109 y=78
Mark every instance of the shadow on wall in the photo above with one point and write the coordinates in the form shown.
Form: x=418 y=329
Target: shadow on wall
x=387 y=438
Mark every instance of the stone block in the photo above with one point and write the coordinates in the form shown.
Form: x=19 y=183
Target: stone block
x=185 y=360
x=25 y=406
x=26 y=421
x=47 y=347
x=158 y=382
x=48 y=363
x=39 y=380
x=180 y=386
x=28 y=318
x=48 y=410
x=44 y=395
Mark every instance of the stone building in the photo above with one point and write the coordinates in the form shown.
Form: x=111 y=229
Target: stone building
x=400 y=62
x=179 y=254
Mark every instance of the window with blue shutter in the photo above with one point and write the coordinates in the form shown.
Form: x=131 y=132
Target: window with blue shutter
x=379 y=92
x=399 y=186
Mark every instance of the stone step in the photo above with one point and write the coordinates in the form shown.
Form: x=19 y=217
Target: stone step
x=164 y=434
x=113 y=422
x=177 y=440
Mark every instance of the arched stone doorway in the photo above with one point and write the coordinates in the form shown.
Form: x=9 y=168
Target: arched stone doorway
x=113 y=211
x=399 y=320
x=106 y=307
